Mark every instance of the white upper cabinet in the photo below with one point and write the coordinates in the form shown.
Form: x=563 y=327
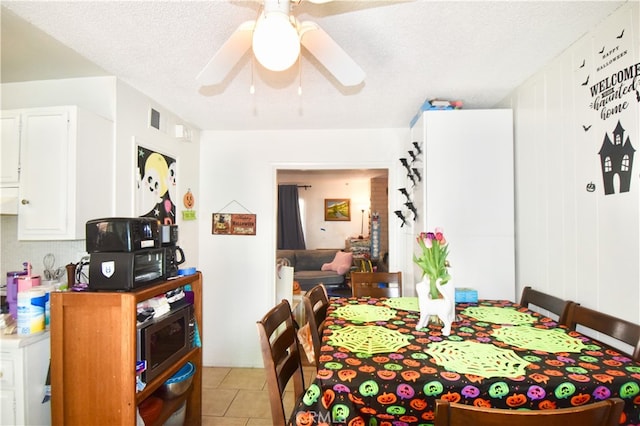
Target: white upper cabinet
x=9 y=161
x=66 y=172
x=10 y=143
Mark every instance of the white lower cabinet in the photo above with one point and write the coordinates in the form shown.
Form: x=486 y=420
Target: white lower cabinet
x=24 y=363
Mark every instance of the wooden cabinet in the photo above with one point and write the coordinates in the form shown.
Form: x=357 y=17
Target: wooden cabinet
x=466 y=188
x=24 y=363
x=65 y=170
x=93 y=347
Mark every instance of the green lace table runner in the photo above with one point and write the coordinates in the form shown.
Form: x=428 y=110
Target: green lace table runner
x=403 y=303
x=538 y=339
x=480 y=359
x=368 y=339
x=499 y=315
x=364 y=313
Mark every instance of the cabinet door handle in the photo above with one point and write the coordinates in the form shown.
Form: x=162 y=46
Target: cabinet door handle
x=25 y=202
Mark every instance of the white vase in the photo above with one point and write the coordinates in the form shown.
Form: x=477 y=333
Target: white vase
x=444 y=308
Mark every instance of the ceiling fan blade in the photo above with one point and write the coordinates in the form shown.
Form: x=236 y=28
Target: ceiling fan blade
x=330 y=54
x=228 y=55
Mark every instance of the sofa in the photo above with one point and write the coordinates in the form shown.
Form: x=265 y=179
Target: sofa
x=312 y=267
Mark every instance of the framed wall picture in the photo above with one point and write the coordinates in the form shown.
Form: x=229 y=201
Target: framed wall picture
x=337 y=209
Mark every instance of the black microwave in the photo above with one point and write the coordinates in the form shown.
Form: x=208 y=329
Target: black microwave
x=163 y=341
x=126 y=271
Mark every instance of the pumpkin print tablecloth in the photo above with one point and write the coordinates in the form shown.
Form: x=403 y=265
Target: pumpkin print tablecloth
x=497 y=355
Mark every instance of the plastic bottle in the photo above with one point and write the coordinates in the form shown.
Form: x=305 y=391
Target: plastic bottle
x=31 y=317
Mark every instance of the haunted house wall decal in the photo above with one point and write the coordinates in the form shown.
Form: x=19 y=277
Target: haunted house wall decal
x=616 y=158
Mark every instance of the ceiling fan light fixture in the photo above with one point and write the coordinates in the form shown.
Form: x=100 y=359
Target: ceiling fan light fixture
x=276 y=44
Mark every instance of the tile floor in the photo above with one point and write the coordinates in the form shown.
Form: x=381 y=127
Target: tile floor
x=239 y=396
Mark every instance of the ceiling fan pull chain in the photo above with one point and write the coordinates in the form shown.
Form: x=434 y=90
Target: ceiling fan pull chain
x=252 y=88
x=300 y=75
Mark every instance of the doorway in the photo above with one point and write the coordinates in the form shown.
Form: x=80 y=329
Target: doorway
x=367 y=193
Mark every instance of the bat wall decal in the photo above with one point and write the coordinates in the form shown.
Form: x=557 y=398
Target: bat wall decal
x=417 y=145
x=401 y=216
x=406 y=165
x=404 y=192
x=413 y=209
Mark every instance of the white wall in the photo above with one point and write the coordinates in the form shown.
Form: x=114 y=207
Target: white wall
x=576 y=244
x=96 y=94
x=239 y=271
x=132 y=128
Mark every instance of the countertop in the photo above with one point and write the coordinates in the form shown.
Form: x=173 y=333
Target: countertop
x=15 y=341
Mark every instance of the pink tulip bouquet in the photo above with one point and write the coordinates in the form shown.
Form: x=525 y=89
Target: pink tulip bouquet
x=433 y=259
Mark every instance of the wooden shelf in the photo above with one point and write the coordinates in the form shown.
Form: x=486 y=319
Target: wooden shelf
x=153 y=385
x=170 y=406
x=93 y=347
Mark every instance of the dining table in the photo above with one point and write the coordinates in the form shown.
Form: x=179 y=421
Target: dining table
x=376 y=368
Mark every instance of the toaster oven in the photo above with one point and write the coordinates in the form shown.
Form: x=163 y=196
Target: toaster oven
x=126 y=271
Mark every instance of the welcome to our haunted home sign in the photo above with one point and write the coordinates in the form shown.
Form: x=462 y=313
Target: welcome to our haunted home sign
x=613 y=81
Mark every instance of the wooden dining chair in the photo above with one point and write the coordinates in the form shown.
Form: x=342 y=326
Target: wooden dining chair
x=376 y=284
x=316 y=303
x=553 y=304
x=281 y=357
x=617 y=328
x=603 y=413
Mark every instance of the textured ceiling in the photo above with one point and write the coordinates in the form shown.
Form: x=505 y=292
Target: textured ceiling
x=476 y=52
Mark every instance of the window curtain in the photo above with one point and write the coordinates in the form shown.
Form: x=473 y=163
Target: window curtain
x=290 y=235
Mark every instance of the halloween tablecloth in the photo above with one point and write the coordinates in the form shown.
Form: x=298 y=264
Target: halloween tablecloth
x=377 y=369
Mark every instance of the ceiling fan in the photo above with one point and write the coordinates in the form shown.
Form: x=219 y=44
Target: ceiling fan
x=276 y=38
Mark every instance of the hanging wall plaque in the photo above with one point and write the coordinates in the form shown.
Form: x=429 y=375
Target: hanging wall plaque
x=234 y=224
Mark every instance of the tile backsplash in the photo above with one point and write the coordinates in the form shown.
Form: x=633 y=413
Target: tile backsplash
x=13 y=252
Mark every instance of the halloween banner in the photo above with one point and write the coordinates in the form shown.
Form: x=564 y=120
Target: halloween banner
x=612 y=82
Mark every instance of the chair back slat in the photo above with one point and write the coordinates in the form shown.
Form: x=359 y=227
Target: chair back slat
x=281 y=357
x=617 y=328
x=316 y=303
x=603 y=413
x=554 y=304
x=376 y=284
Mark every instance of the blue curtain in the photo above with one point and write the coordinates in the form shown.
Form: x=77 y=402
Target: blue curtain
x=290 y=235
